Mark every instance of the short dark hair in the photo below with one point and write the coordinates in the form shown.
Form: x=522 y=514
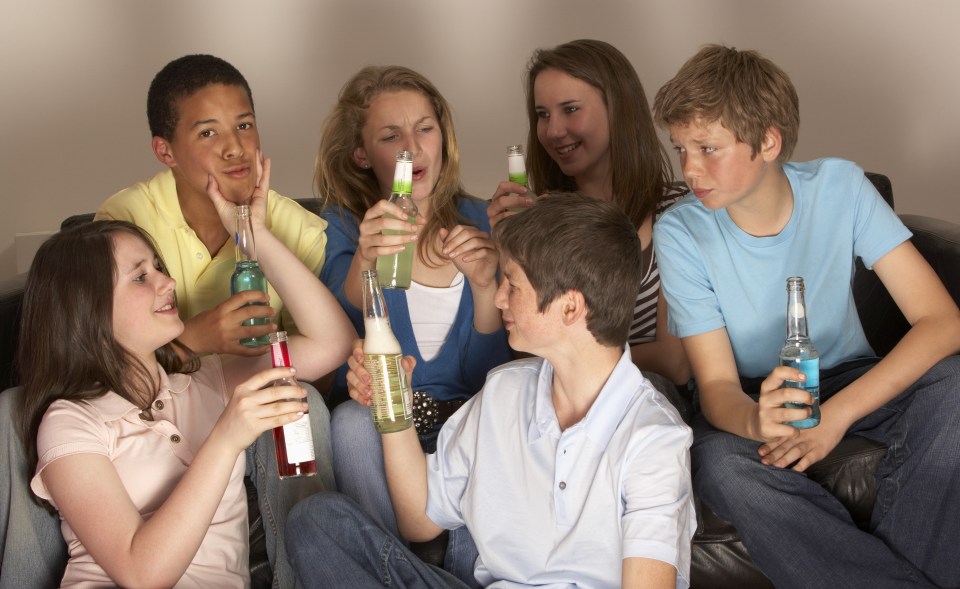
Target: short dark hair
x=743 y=90
x=181 y=78
x=568 y=241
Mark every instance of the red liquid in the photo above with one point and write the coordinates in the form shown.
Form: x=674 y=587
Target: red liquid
x=301 y=444
x=285 y=469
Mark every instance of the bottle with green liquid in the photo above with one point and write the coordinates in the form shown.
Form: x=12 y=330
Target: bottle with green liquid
x=391 y=406
x=395 y=269
x=517 y=170
x=247 y=275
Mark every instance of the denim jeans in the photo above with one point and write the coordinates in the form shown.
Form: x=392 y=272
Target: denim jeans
x=358 y=465
x=333 y=543
x=277 y=497
x=800 y=535
x=32 y=551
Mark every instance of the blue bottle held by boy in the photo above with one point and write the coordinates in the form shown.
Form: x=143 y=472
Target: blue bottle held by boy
x=800 y=353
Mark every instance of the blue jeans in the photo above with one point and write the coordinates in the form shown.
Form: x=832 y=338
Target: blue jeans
x=358 y=465
x=801 y=536
x=32 y=550
x=333 y=543
x=277 y=497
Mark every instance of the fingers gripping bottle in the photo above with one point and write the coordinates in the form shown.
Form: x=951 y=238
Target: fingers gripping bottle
x=391 y=407
x=294 y=441
x=799 y=352
x=248 y=275
x=395 y=269
x=517 y=169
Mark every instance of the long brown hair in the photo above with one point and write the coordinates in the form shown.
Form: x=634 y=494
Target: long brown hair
x=641 y=169
x=67 y=348
x=338 y=179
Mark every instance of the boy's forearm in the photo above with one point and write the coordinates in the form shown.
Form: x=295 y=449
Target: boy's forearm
x=729 y=409
x=925 y=344
x=406 y=468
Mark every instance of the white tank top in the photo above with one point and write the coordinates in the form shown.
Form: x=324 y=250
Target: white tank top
x=432 y=312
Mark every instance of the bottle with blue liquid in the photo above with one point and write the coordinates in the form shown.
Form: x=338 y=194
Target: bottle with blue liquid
x=247 y=275
x=800 y=353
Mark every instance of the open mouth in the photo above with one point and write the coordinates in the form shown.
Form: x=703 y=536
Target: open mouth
x=419 y=173
x=166 y=308
x=568 y=148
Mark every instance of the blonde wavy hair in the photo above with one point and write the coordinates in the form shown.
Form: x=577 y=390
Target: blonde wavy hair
x=338 y=179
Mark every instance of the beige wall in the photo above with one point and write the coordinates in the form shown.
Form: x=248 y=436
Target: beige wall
x=878 y=80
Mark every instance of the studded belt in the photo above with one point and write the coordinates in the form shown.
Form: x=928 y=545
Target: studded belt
x=428 y=412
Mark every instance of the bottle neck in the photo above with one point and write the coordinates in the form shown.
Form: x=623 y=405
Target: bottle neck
x=279 y=353
x=796 y=316
x=374 y=307
x=244 y=247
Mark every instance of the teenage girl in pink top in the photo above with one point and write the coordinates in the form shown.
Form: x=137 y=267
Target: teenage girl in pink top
x=136 y=442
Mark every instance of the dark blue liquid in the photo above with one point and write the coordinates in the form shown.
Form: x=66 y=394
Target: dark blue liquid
x=249 y=276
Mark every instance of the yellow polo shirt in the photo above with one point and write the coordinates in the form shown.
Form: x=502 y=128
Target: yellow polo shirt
x=204 y=282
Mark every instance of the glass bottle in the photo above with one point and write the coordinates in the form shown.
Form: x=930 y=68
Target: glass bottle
x=517 y=170
x=294 y=441
x=395 y=269
x=248 y=275
x=799 y=352
x=391 y=407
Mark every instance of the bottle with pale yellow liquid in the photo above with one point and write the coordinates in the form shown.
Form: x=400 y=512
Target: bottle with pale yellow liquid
x=395 y=269
x=390 y=406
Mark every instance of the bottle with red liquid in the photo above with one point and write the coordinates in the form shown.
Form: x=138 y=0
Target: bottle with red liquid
x=294 y=441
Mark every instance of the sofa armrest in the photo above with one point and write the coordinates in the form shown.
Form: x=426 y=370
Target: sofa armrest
x=939 y=243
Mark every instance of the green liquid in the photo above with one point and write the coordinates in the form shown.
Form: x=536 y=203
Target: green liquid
x=395 y=270
x=249 y=276
x=391 y=406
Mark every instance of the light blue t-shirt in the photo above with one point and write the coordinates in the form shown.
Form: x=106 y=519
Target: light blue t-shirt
x=716 y=275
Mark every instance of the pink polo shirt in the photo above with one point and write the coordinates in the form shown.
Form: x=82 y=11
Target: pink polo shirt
x=150 y=458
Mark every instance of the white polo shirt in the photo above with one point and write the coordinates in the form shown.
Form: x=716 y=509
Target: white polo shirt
x=551 y=508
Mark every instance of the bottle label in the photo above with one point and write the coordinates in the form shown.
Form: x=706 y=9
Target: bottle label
x=298 y=439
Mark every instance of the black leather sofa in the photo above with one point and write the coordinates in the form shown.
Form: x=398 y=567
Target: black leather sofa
x=719 y=559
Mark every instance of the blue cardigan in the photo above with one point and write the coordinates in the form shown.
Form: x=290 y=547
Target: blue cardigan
x=460 y=368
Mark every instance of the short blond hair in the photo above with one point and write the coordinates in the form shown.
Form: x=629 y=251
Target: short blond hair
x=746 y=92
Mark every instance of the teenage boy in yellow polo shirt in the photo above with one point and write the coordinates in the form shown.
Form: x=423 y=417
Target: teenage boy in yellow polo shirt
x=201 y=116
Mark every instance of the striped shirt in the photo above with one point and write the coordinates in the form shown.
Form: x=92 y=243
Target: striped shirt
x=643 y=328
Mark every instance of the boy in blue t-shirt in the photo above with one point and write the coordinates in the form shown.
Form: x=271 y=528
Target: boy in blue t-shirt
x=725 y=250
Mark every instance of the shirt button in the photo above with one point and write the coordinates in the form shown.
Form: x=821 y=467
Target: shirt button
x=158 y=404
x=563 y=485
x=199 y=255
x=175 y=439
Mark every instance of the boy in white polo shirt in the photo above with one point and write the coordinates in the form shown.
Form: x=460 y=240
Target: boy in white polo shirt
x=567 y=468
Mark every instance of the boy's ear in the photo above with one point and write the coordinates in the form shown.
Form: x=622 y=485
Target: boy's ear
x=771 y=145
x=163 y=151
x=572 y=306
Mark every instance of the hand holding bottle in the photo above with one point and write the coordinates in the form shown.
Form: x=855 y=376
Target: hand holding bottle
x=771 y=421
x=358 y=379
x=381 y=217
x=507 y=200
x=256 y=406
x=219 y=330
